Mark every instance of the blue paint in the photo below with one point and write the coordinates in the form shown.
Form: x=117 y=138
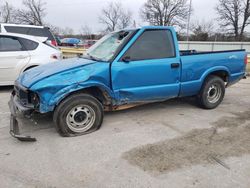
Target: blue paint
x=136 y=81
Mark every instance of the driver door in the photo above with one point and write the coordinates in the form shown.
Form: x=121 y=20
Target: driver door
x=149 y=70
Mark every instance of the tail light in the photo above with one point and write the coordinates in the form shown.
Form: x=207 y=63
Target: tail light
x=54 y=43
x=246 y=60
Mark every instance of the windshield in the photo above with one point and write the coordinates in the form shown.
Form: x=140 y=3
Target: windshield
x=106 y=48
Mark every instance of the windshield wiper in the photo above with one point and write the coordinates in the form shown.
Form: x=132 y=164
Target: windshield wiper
x=88 y=56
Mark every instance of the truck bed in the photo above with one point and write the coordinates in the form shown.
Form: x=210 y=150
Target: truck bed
x=196 y=65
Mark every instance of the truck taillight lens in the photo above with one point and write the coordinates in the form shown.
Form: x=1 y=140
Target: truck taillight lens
x=246 y=60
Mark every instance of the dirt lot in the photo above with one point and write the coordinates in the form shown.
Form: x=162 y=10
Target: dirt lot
x=170 y=144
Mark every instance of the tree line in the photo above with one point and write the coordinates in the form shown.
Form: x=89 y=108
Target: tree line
x=233 y=18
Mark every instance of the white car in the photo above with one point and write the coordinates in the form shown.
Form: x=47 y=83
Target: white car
x=33 y=30
x=19 y=53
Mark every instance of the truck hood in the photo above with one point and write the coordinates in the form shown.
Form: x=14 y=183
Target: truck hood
x=34 y=75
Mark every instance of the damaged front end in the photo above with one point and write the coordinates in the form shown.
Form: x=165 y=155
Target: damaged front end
x=22 y=103
x=42 y=88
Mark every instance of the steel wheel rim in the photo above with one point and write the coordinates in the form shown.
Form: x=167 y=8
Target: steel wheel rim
x=214 y=93
x=80 y=118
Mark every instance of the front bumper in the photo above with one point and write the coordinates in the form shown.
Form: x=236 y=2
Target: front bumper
x=17 y=108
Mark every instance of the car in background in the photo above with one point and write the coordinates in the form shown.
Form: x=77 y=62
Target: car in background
x=75 y=42
x=19 y=53
x=39 y=31
x=86 y=44
x=70 y=42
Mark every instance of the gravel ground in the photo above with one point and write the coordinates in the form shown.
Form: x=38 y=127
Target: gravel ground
x=169 y=144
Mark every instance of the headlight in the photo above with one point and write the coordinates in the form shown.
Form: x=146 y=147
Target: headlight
x=34 y=99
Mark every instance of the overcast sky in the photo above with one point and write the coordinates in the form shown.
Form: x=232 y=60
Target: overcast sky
x=75 y=13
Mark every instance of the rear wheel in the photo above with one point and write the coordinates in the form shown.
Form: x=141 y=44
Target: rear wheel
x=78 y=114
x=212 y=92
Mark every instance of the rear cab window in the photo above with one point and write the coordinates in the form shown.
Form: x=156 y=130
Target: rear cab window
x=152 y=44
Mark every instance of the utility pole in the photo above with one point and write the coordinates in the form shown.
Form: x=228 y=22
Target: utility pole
x=188 y=23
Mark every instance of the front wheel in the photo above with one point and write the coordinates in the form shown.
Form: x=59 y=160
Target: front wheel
x=212 y=92
x=77 y=115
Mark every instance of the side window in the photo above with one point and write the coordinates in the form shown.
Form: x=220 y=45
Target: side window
x=10 y=44
x=152 y=44
x=14 y=29
x=28 y=44
x=40 y=32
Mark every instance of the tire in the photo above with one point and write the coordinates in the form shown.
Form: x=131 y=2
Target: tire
x=78 y=114
x=212 y=92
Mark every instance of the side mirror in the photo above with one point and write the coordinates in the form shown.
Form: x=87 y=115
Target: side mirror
x=126 y=59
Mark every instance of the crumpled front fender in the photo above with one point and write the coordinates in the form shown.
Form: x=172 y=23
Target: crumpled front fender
x=49 y=101
x=54 y=89
x=61 y=94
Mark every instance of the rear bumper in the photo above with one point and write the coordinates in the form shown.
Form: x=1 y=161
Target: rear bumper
x=234 y=78
x=17 y=109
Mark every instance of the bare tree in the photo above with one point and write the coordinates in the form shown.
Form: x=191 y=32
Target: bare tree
x=115 y=17
x=54 y=29
x=67 y=31
x=125 y=20
x=86 y=31
x=33 y=13
x=6 y=13
x=202 y=30
x=234 y=15
x=165 y=12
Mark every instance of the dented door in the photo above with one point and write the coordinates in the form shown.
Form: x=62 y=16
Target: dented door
x=149 y=70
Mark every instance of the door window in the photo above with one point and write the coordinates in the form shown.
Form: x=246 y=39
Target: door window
x=9 y=44
x=152 y=44
x=28 y=44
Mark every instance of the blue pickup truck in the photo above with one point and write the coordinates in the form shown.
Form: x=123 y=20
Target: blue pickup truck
x=123 y=69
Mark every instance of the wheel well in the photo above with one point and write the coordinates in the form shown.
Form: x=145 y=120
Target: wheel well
x=222 y=74
x=30 y=67
x=98 y=93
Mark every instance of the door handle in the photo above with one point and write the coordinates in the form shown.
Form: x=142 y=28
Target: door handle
x=175 y=65
x=21 y=57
